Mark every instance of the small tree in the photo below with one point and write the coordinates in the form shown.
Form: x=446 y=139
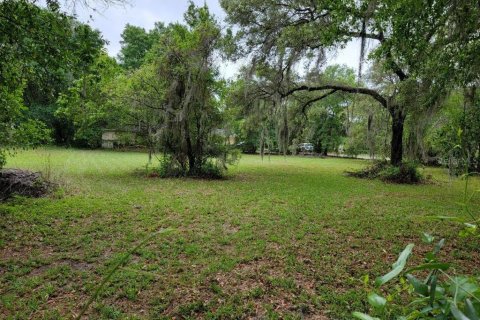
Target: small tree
x=175 y=98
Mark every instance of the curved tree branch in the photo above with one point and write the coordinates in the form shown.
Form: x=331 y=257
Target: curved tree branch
x=311 y=101
x=370 y=92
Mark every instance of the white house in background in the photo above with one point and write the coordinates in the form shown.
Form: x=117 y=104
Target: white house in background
x=112 y=138
x=109 y=139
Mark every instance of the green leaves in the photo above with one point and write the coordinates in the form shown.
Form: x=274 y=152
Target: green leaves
x=438 y=246
x=389 y=276
x=430 y=266
x=427 y=238
x=397 y=267
x=363 y=316
x=438 y=296
x=464 y=287
x=457 y=314
x=376 y=300
x=469 y=230
x=136 y=42
x=470 y=311
x=174 y=97
x=44 y=51
x=433 y=287
x=419 y=287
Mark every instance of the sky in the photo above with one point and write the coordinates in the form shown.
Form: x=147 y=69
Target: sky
x=144 y=13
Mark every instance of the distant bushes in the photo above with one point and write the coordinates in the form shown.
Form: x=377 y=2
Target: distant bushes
x=405 y=173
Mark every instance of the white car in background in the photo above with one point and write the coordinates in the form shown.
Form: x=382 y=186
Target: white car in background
x=305 y=148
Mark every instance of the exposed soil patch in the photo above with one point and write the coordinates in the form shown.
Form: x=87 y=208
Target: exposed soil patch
x=229 y=228
x=265 y=282
x=23 y=183
x=25 y=252
x=73 y=264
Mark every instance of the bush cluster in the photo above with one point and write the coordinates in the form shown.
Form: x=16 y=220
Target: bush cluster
x=170 y=168
x=406 y=173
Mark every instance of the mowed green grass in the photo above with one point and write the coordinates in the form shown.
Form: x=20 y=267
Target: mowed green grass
x=285 y=238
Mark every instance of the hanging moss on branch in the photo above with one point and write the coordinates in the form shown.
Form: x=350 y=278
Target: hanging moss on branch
x=175 y=99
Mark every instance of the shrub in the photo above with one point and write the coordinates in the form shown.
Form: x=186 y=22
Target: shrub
x=168 y=167
x=352 y=150
x=210 y=169
x=406 y=173
x=370 y=172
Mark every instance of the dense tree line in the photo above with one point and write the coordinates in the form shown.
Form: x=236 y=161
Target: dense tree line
x=43 y=51
x=417 y=99
x=423 y=50
x=59 y=85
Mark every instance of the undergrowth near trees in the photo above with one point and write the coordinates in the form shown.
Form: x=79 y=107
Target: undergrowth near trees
x=209 y=169
x=405 y=173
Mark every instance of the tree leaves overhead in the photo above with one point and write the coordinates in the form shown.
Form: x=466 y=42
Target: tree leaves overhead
x=136 y=42
x=31 y=39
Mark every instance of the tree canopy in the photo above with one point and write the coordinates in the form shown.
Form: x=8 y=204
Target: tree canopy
x=59 y=84
x=136 y=42
x=411 y=38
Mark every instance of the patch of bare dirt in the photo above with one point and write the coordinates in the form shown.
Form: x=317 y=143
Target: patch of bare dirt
x=247 y=277
x=25 y=252
x=73 y=264
x=254 y=282
x=229 y=228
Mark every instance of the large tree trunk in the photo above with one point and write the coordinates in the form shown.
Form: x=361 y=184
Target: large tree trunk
x=396 y=152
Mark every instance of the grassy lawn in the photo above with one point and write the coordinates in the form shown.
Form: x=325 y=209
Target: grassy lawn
x=285 y=238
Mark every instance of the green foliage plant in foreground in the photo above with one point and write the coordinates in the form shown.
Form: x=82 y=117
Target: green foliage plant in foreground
x=429 y=290
x=439 y=295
